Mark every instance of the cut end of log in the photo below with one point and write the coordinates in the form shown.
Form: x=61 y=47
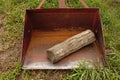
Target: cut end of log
x=51 y=56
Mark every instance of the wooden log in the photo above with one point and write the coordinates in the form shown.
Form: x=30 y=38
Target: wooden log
x=70 y=45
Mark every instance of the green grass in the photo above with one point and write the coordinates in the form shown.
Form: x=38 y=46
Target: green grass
x=14 y=11
x=11 y=74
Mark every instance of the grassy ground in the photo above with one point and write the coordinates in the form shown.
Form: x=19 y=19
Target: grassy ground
x=11 y=28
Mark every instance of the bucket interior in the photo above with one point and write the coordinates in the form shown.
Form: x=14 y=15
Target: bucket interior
x=45 y=28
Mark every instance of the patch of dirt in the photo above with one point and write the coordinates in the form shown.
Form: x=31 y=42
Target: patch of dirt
x=49 y=74
x=1 y=31
x=108 y=51
x=9 y=58
x=58 y=75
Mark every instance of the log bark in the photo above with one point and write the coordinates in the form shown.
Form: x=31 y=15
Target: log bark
x=70 y=45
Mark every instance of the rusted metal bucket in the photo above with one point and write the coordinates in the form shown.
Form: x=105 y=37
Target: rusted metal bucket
x=47 y=27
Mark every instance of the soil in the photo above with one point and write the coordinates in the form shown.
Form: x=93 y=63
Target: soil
x=9 y=58
x=108 y=51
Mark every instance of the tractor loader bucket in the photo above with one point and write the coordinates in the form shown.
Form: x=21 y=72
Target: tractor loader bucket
x=44 y=28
